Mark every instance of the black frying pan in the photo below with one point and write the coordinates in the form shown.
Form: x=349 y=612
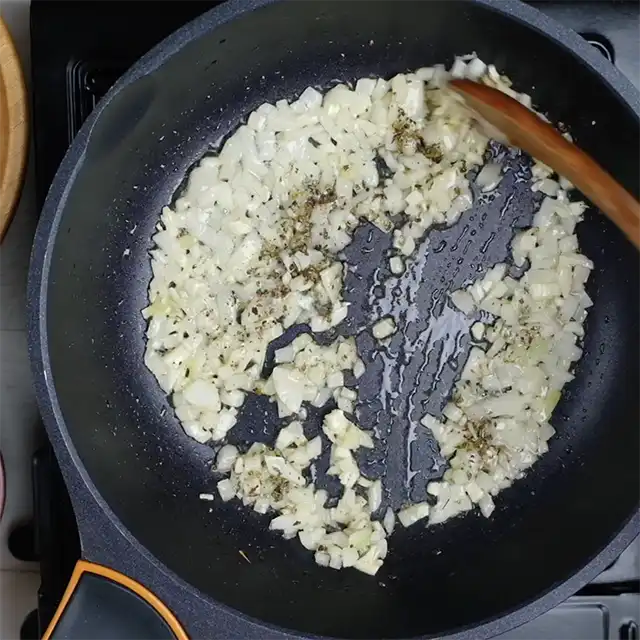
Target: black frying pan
x=135 y=477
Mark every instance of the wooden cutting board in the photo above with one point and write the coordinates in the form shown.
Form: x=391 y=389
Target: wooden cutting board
x=13 y=128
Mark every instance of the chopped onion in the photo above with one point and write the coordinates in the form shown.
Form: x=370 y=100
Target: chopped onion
x=253 y=247
x=358 y=369
x=413 y=513
x=203 y=394
x=497 y=424
x=375 y=496
x=226 y=458
x=477 y=330
x=384 y=328
x=226 y=490
x=389 y=521
x=489 y=177
x=396 y=264
x=290 y=435
x=463 y=301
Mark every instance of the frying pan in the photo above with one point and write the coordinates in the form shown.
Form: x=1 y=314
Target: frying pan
x=158 y=561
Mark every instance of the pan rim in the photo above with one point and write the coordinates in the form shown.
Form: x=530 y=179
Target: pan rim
x=44 y=240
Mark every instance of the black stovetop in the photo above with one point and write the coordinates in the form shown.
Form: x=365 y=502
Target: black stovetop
x=78 y=49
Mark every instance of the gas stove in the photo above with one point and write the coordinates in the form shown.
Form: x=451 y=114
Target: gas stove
x=71 y=72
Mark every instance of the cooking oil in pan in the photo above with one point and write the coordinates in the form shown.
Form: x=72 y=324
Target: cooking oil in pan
x=412 y=373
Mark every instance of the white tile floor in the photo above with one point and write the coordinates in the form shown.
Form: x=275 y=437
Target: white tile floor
x=18 y=598
x=18 y=414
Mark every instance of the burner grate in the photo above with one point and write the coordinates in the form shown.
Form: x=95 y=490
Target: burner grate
x=86 y=82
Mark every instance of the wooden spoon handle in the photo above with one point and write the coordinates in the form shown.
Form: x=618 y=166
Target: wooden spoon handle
x=526 y=130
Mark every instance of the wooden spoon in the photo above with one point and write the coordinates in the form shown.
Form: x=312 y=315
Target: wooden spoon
x=526 y=130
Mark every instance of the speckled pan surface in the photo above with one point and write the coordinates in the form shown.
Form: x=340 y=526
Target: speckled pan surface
x=128 y=547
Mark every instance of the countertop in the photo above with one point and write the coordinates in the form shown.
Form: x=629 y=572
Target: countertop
x=18 y=414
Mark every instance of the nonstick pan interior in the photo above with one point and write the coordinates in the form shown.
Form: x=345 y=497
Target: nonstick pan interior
x=150 y=474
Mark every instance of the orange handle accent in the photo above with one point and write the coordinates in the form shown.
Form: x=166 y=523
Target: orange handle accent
x=83 y=567
x=526 y=130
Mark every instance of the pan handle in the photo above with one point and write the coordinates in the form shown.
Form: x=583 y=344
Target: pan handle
x=100 y=603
